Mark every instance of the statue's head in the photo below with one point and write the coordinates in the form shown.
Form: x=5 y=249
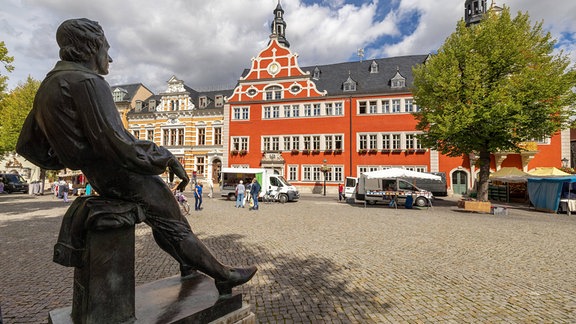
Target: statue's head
x=83 y=41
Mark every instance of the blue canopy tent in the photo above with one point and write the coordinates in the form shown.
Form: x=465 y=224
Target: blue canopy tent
x=545 y=193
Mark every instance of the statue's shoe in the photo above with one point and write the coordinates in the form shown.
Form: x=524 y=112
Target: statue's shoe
x=237 y=277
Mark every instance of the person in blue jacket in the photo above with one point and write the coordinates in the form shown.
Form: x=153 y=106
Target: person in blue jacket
x=254 y=192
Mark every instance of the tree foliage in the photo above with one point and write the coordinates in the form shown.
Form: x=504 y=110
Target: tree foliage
x=492 y=86
x=6 y=61
x=14 y=107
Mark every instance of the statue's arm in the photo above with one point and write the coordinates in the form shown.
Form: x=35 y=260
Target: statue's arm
x=103 y=127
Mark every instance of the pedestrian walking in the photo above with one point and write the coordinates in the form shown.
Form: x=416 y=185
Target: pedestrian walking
x=240 y=190
x=255 y=192
x=198 y=197
x=211 y=188
x=340 y=192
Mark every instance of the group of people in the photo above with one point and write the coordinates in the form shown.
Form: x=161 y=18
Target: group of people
x=197 y=191
x=61 y=190
x=248 y=194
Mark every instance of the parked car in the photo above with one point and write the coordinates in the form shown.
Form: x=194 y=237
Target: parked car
x=14 y=183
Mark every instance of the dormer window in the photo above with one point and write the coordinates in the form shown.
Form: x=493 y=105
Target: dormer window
x=203 y=102
x=152 y=105
x=119 y=94
x=398 y=81
x=219 y=100
x=349 y=85
x=374 y=67
x=316 y=74
x=138 y=105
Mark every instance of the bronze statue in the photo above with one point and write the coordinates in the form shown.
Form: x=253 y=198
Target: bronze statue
x=75 y=124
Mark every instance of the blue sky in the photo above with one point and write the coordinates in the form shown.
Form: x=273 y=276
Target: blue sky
x=209 y=43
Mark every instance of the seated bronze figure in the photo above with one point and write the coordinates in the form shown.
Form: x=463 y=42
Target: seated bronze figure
x=75 y=124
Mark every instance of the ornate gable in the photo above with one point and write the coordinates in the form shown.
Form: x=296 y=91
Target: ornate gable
x=275 y=65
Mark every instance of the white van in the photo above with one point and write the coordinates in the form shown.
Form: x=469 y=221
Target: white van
x=269 y=181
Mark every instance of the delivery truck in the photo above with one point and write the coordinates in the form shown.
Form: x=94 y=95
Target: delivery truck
x=386 y=190
x=270 y=182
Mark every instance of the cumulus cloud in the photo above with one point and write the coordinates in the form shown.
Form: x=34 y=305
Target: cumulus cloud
x=209 y=43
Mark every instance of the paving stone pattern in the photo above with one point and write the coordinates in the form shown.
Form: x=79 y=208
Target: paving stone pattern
x=321 y=261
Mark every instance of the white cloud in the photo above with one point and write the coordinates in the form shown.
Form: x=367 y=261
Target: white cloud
x=209 y=43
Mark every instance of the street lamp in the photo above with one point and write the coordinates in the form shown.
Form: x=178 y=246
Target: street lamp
x=565 y=162
x=325 y=169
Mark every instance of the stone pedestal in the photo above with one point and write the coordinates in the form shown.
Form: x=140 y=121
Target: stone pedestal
x=183 y=301
x=104 y=287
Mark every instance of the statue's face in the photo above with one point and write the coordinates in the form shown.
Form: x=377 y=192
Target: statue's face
x=103 y=60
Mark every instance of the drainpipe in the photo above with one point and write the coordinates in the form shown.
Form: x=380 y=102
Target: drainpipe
x=350 y=150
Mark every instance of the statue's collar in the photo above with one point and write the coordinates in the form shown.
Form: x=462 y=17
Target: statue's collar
x=71 y=66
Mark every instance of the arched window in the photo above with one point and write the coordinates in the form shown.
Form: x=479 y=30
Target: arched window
x=273 y=93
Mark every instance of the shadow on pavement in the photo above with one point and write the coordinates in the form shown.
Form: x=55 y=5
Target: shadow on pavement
x=297 y=289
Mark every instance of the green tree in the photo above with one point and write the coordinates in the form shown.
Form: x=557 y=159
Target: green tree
x=492 y=86
x=6 y=61
x=14 y=108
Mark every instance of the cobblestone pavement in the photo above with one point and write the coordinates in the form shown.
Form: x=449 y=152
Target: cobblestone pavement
x=322 y=261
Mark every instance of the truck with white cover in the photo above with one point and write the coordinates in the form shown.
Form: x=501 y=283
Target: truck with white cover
x=393 y=184
x=230 y=177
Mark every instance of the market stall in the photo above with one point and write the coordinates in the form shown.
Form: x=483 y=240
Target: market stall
x=508 y=184
x=553 y=193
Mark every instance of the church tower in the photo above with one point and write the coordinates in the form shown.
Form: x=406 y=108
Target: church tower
x=475 y=9
x=279 y=26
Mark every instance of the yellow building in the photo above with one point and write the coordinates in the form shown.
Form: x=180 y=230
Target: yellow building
x=187 y=122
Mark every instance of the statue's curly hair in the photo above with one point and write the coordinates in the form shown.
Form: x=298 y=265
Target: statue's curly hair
x=79 y=39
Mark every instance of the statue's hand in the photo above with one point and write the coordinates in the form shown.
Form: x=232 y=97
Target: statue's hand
x=176 y=167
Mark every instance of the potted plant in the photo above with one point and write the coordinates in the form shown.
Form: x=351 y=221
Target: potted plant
x=338 y=151
x=305 y=151
x=234 y=152
x=243 y=152
x=373 y=151
x=362 y=151
x=294 y=151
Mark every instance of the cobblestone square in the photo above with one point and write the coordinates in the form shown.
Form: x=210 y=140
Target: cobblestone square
x=323 y=261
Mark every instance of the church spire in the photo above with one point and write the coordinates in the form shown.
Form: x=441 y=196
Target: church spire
x=279 y=26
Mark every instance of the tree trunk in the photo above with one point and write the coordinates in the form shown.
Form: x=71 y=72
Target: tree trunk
x=484 y=174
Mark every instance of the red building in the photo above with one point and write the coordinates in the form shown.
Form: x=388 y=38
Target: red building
x=343 y=119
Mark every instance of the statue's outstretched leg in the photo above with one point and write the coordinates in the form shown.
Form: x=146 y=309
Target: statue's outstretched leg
x=177 y=239
x=199 y=257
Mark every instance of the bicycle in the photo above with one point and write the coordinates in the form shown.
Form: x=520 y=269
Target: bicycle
x=182 y=202
x=270 y=196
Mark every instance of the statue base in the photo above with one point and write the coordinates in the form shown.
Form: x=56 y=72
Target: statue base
x=178 y=300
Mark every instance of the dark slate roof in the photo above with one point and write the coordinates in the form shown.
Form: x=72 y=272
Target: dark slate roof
x=130 y=89
x=211 y=95
x=333 y=76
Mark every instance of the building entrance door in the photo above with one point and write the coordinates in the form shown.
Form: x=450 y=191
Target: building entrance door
x=459 y=182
